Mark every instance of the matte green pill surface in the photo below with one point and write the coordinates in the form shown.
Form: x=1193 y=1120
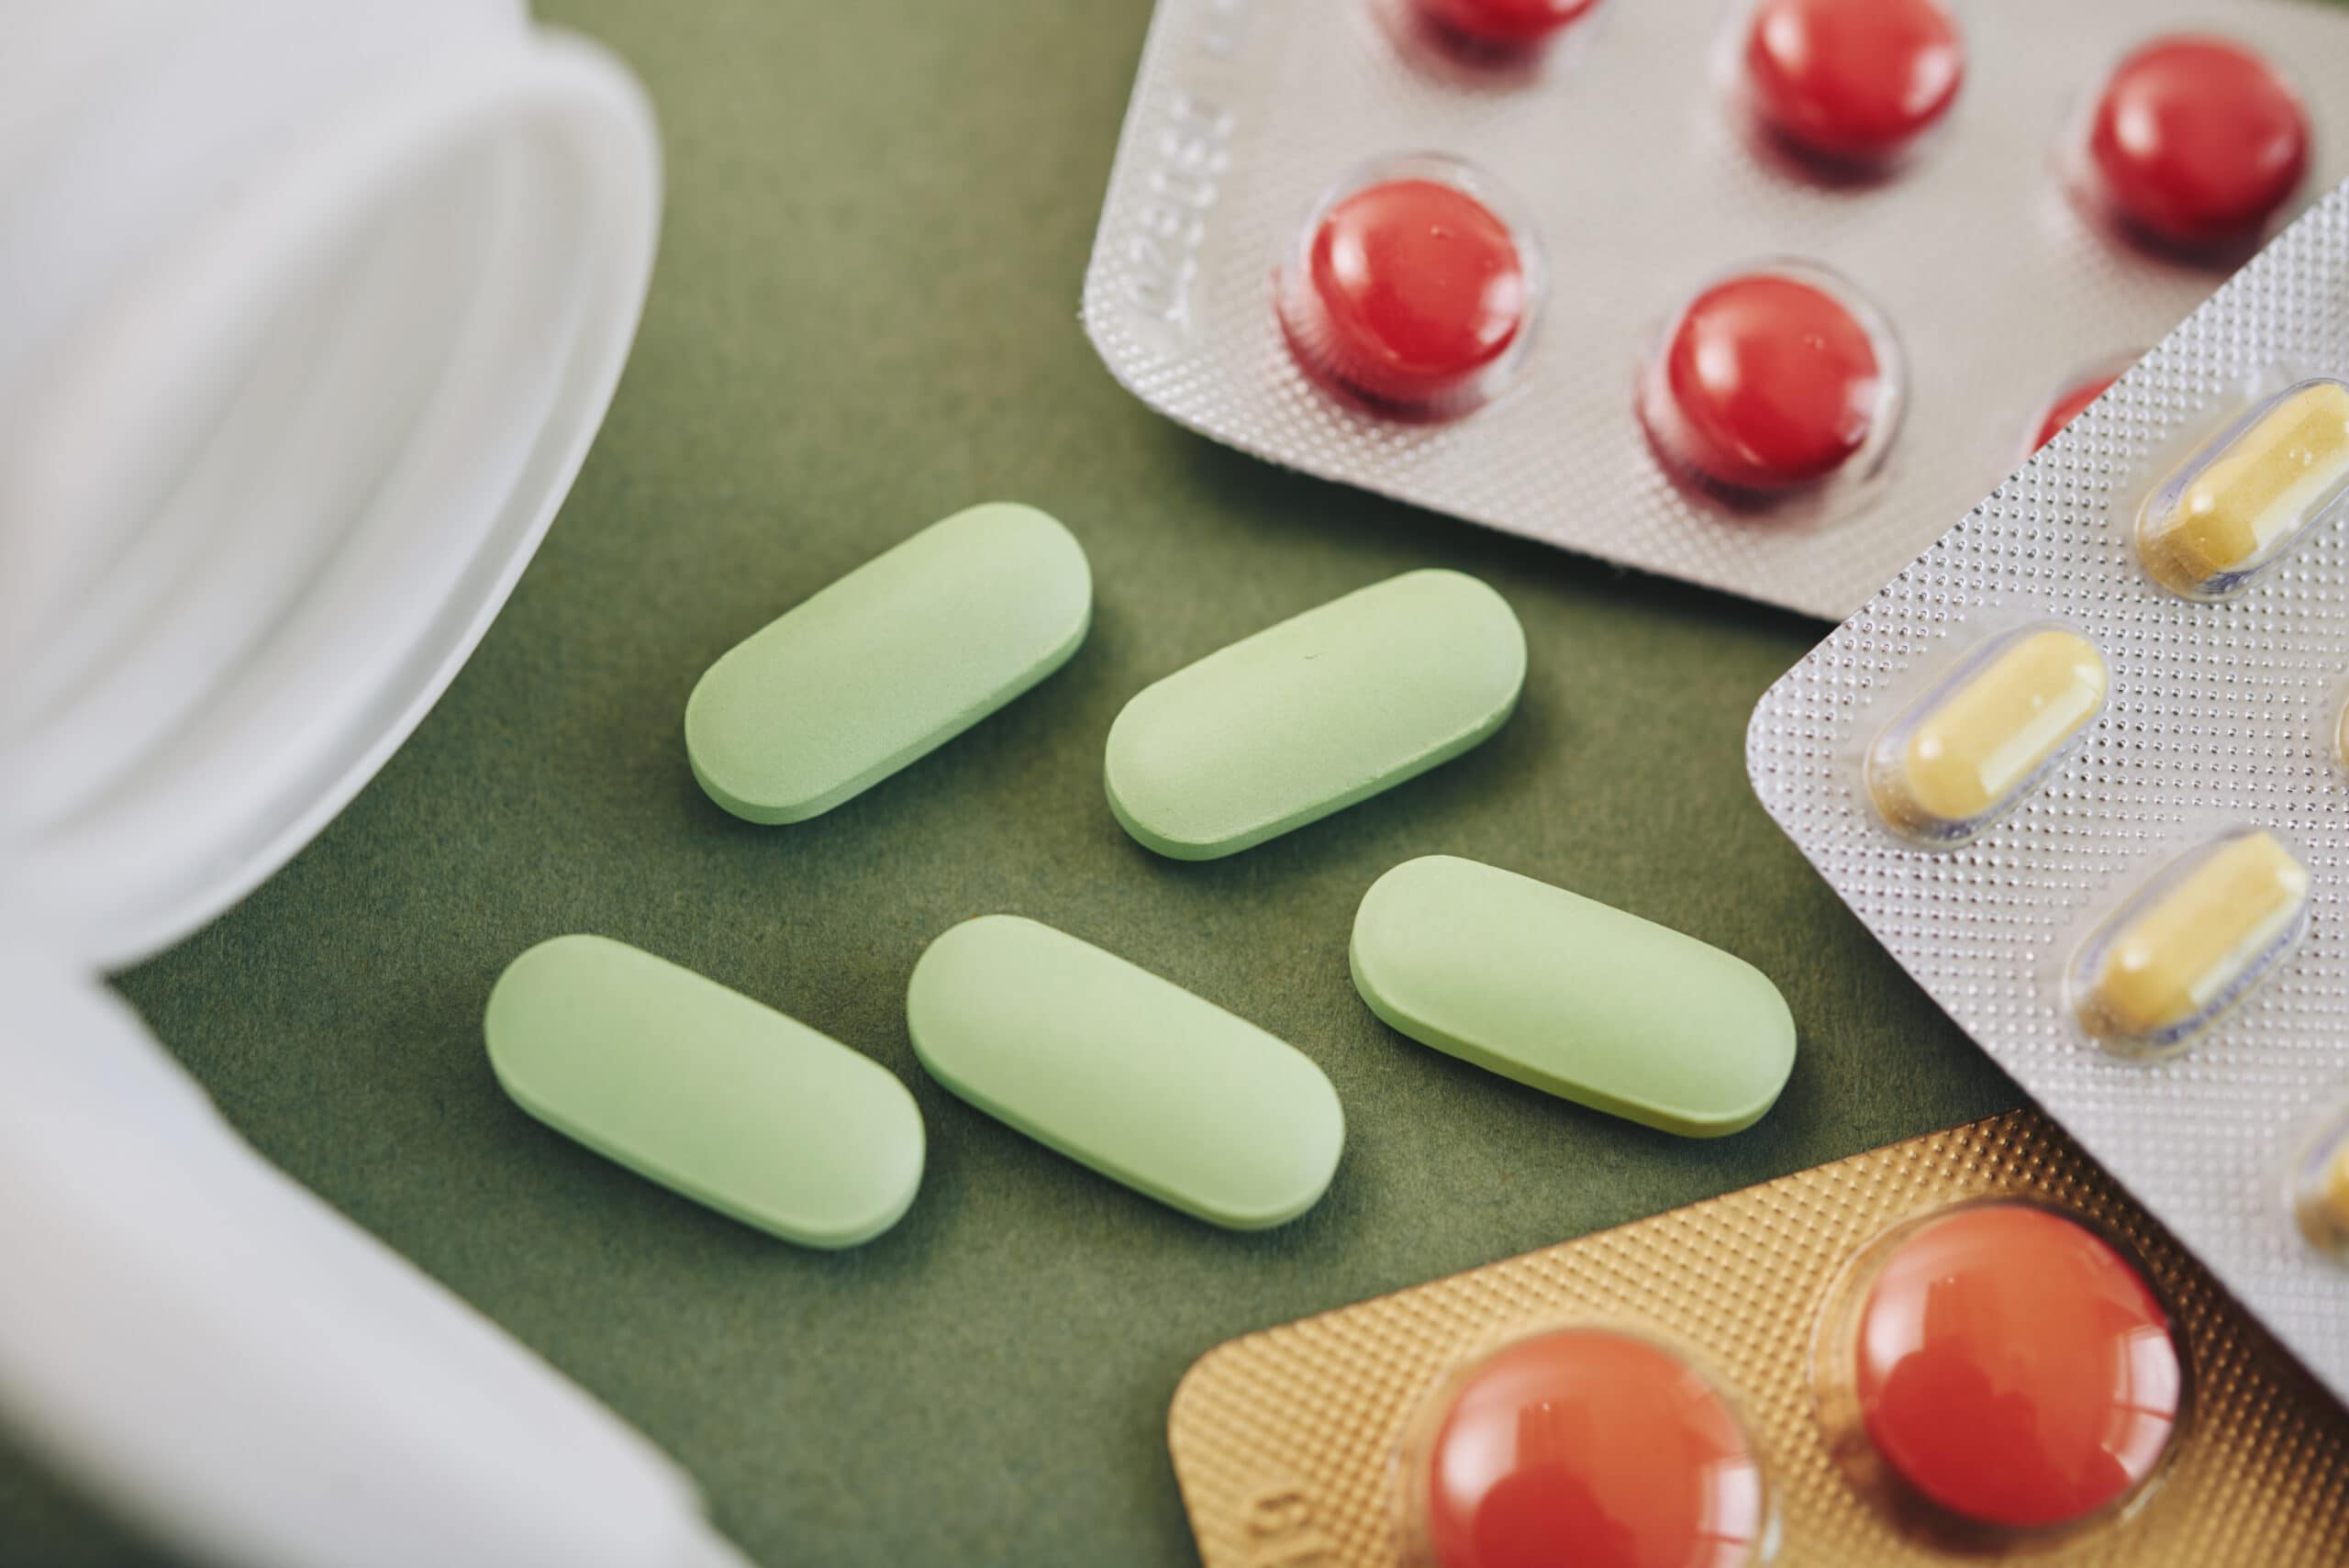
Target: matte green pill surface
x=888 y=663
x=706 y=1091
x=1308 y=716
x=1125 y=1071
x=1569 y=995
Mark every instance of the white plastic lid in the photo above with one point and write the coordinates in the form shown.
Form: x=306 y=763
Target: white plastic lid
x=313 y=310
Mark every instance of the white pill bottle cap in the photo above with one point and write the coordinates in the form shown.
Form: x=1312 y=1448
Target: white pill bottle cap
x=309 y=312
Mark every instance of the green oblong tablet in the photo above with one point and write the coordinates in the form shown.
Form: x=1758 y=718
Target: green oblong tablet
x=705 y=1091
x=1308 y=716
x=1126 y=1072
x=1572 y=996
x=888 y=663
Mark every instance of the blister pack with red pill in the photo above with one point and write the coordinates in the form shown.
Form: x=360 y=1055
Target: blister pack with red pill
x=1758 y=294
x=1967 y=1346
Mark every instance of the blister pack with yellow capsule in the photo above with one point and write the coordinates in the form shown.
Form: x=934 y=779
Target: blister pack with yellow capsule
x=1967 y=1345
x=2081 y=769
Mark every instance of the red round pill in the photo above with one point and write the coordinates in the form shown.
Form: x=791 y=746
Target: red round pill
x=1770 y=380
x=2069 y=405
x=1411 y=290
x=1506 y=24
x=2015 y=1370
x=1853 y=80
x=2196 y=141
x=1591 y=1449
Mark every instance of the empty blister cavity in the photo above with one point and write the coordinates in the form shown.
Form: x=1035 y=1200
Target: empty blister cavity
x=1414 y=287
x=1774 y=379
x=1582 y=1445
x=1997 y=1374
x=705 y=1091
x=1571 y=996
x=2193 y=143
x=1851 y=82
x=2245 y=498
x=888 y=663
x=1125 y=1073
x=1962 y=754
x=2198 y=938
x=1310 y=715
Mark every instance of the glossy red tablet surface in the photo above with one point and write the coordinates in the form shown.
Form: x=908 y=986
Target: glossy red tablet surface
x=1767 y=382
x=1853 y=79
x=1589 y=1449
x=2196 y=141
x=1509 y=23
x=1411 y=291
x=2015 y=1370
x=2068 y=407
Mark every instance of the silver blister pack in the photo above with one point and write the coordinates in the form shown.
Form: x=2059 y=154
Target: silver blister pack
x=2218 y=716
x=1641 y=185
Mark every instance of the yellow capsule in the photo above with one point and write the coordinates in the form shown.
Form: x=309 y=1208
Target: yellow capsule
x=2238 y=505
x=2319 y=1186
x=2333 y=1189
x=2201 y=935
x=1965 y=751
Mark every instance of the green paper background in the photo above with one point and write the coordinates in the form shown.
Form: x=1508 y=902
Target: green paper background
x=864 y=318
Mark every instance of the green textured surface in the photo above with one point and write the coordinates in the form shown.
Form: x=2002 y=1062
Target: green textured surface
x=864 y=318
x=1125 y=1071
x=1571 y=996
x=1315 y=714
x=873 y=672
x=704 y=1090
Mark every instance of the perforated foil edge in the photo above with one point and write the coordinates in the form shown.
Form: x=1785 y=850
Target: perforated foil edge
x=2220 y=715
x=1643 y=188
x=1282 y=1440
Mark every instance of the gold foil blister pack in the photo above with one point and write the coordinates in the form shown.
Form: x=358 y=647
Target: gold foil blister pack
x=1295 y=1447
